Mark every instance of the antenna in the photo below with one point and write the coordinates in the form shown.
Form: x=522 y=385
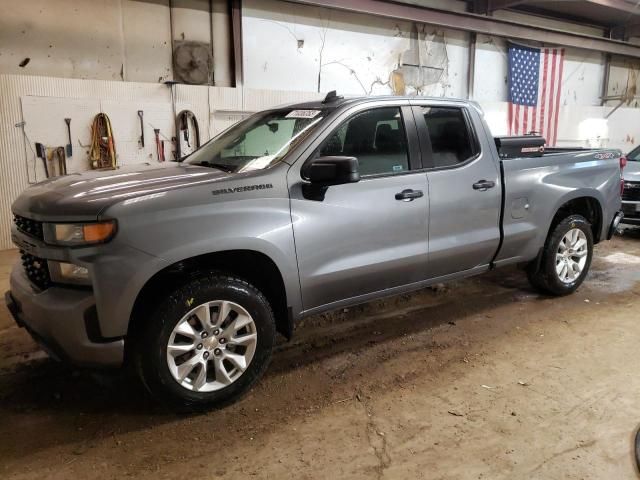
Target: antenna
x=332 y=96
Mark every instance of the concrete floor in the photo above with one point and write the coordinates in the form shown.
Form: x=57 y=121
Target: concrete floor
x=483 y=379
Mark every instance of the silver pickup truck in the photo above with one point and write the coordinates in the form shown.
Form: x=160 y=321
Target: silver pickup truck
x=187 y=270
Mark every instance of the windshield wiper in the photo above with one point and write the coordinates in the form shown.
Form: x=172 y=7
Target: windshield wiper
x=219 y=166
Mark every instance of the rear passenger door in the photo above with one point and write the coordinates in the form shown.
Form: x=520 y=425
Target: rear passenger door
x=371 y=235
x=464 y=189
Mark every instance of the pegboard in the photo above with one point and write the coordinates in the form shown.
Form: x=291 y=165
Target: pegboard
x=44 y=123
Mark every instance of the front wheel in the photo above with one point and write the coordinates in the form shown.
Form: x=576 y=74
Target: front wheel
x=566 y=257
x=207 y=343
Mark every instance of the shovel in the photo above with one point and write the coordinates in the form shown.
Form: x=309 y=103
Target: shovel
x=69 y=149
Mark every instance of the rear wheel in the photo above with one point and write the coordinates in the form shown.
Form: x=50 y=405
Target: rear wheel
x=566 y=257
x=207 y=343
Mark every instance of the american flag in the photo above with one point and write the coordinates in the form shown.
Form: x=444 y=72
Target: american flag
x=535 y=81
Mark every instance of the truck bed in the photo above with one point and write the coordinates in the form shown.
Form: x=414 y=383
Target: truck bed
x=563 y=175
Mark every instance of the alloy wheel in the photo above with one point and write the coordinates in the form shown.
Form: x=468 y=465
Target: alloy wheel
x=211 y=346
x=571 y=256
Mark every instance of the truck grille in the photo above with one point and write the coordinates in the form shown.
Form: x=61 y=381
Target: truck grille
x=36 y=269
x=28 y=226
x=631 y=192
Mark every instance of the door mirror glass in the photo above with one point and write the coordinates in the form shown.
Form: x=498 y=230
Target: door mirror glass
x=333 y=170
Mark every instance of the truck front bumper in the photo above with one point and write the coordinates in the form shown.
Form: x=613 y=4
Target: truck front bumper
x=59 y=319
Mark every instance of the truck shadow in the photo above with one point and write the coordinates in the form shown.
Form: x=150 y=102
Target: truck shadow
x=69 y=406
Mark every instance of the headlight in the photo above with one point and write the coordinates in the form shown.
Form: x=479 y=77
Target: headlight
x=69 y=273
x=75 y=234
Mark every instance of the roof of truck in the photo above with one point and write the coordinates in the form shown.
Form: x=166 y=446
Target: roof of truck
x=340 y=101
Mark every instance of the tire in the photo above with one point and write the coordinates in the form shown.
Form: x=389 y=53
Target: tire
x=547 y=278
x=172 y=342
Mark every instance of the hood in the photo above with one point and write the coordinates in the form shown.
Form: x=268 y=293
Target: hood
x=632 y=171
x=82 y=196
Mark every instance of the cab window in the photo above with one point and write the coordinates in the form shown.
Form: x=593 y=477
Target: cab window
x=451 y=141
x=376 y=138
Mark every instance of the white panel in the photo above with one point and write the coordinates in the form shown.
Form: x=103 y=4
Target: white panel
x=584 y=126
x=70 y=38
x=582 y=77
x=256 y=100
x=126 y=129
x=495 y=114
x=225 y=108
x=147 y=41
x=107 y=39
x=490 y=83
x=196 y=99
x=317 y=49
x=580 y=125
x=44 y=123
x=624 y=128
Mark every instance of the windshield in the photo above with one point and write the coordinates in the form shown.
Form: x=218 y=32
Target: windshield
x=257 y=142
x=634 y=155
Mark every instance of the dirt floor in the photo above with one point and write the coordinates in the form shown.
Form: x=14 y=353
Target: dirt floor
x=481 y=379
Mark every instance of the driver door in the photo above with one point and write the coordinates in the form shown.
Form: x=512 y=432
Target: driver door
x=368 y=236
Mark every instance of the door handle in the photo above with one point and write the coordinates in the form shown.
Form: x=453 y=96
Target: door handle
x=409 y=195
x=484 y=185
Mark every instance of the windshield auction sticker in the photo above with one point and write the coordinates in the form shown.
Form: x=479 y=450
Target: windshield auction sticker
x=302 y=113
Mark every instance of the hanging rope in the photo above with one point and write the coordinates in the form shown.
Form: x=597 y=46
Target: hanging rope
x=185 y=118
x=103 y=149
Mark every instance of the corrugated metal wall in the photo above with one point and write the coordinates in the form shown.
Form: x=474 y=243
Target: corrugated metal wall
x=215 y=107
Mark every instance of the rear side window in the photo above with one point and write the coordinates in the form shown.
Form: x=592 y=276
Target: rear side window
x=376 y=138
x=451 y=141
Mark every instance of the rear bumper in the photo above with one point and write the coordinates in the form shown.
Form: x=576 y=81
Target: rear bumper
x=631 y=212
x=58 y=319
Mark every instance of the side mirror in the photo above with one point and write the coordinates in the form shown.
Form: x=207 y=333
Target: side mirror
x=327 y=171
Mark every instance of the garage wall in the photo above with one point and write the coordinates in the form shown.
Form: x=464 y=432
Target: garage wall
x=216 y=108
x=107 y=39
x=624 y=83
x=316 y=49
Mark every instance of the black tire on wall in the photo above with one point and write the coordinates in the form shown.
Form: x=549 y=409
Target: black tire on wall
x=175 y=325
x=559 y=253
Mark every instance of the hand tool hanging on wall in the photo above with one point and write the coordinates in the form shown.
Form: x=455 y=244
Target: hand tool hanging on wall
x=69 y=146
x=41 y=153
x=59 y=161
x=187 y=120
x=159 y=145
x=140 y=116
x=103 y=149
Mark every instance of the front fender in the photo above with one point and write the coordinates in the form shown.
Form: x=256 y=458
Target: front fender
x=165 y=237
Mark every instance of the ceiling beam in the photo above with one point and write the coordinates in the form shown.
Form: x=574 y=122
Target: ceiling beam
x=478 y=23
x=574 y=18
x=621 y=5
x=489 y=6
x=626 y=31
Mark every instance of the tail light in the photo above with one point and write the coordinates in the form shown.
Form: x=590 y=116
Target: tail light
x=623 y=162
